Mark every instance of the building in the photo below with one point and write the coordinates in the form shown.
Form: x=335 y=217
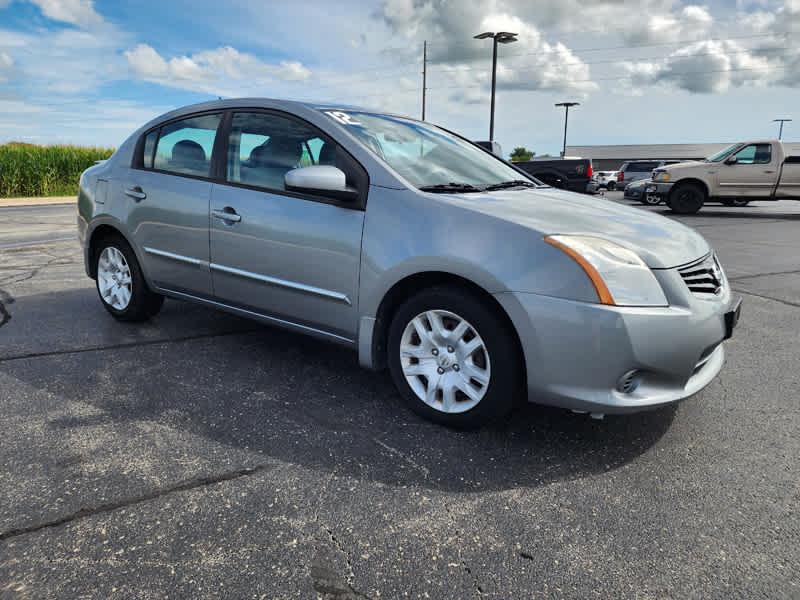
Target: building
x=610 y=158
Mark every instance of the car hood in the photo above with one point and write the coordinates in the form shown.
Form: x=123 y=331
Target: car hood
x=684 y=165
x=661 y=242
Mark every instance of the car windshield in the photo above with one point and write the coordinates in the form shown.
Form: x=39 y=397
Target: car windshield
x=722 y=154
x=427 y=156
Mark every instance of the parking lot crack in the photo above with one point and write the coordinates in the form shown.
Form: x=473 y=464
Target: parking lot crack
x=786 y=302
x=741 y=277
x=187 y=338
x=461 y=559
x=183 y=486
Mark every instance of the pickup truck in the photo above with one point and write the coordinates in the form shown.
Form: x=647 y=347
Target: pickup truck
x=759 y=170
x=567 y=173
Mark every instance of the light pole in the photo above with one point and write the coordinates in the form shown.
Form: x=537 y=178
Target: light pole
x=566 y=106
x=501 y=37
x=781 y=121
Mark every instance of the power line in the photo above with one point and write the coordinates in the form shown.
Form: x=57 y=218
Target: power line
x=447 y=69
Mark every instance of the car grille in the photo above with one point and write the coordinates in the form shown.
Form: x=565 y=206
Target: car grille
x=703 y=276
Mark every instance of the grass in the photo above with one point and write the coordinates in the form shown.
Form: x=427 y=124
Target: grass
x=28 y=170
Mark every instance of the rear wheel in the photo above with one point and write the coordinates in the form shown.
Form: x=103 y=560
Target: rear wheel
x=687 y=198
x=120 y=284
x=453 y=358
x=611 y=186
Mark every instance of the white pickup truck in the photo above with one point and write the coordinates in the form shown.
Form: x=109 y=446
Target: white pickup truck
x=742 y=172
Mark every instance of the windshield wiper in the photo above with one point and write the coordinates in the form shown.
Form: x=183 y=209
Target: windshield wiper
x=508 y=184
x=452 y=187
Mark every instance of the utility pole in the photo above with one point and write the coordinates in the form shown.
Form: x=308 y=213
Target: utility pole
x=781 y=121
x=424 y=74
x=566 y=106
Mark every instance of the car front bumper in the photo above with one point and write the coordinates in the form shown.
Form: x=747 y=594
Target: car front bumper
x=661 y=189
x=634 y=193
x=578 y=353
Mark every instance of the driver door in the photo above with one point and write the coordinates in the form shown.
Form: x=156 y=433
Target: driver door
x=754 y=173
x=291 y=256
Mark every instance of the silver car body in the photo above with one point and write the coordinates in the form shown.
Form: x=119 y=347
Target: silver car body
x=327 y=269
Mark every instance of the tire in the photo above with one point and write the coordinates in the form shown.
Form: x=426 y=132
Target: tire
x=650 y=199
x=735 y=202
x=687 y=199
x=611 y=186
x=120 y=283
x=485 y=348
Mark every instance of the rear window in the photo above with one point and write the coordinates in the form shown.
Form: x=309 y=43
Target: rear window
x=184 y=147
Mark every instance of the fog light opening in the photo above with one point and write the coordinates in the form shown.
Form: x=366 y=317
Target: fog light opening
x=628 y=383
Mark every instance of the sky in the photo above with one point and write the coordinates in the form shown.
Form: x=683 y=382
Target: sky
x=644 y=72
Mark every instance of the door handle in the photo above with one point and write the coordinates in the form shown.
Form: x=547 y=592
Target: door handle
x=769 y=171
x=136 y=193
x=227 y=214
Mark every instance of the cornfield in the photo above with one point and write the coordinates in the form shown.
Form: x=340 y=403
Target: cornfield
x=27 y=170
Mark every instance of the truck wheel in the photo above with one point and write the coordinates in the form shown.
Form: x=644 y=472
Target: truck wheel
x=736 y=202
x=611 y=186
x=687 y=199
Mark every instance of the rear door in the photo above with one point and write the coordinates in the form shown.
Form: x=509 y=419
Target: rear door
x=291 y=256
x=754 y=173
x=167 y=196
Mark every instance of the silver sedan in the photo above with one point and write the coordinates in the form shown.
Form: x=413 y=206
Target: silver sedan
x=472 y=282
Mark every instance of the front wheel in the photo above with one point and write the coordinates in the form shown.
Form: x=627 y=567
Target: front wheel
x=687 y=198
x=650 y=199
x=453 y=358
x=120 y=284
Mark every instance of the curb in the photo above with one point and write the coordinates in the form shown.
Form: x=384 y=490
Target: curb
x=4 y=202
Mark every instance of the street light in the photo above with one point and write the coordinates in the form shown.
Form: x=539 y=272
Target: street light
x=566 y=106
x=782 y=121
x=501 y=37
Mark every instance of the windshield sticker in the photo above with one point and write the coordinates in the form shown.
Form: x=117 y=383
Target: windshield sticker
x=342 y=117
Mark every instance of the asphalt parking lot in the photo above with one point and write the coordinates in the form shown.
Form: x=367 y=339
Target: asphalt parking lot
x=199 y=455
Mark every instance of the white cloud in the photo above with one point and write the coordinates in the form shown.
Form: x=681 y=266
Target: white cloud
x=704 y=67
x=531 y=63
x=6 y=67
x=76 y=12
x=199 y=71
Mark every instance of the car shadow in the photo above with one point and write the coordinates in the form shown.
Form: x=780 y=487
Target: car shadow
x=302 y=401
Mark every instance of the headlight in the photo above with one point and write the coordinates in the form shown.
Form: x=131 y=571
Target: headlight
x=661 y=176
x=619 y=275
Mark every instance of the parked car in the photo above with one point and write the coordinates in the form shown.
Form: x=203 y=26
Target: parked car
x=606 y=179
x=636 y=192
x=758 y=170
x=415 y=248
x=634 y=170
x=573 y=174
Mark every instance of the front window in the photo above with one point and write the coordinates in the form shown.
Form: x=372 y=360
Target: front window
x=754 y=154
x=425 y=155
x=723 y=154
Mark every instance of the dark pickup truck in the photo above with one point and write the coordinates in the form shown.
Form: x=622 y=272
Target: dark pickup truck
x=573 y=174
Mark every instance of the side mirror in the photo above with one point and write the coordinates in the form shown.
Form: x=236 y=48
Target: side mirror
x=731 y=160
x=322 y=180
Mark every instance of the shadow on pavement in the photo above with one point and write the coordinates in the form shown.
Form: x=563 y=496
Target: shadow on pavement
x=305 y=402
